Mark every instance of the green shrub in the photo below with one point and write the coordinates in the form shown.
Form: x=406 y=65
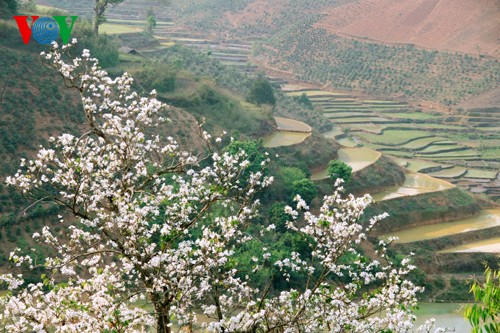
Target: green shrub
x=305 y=188
x=338 y=169
x=261 y=92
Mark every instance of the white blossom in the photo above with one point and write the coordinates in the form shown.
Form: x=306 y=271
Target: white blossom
x=153 y=223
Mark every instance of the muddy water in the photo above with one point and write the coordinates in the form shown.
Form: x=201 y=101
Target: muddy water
x=356 y=158
x=447 y=315
x=290 y=132
x=284 y=138
x=491 y=245
x=415 y=183
x=347 y=142
x=486 y=219
x=287 y=124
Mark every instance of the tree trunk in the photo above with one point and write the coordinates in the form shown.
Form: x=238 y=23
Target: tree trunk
x=96 y=26
x=163 y=322
x=99 y=8
x=162 y=319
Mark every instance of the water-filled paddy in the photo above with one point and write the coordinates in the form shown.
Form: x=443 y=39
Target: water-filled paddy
x=119 y=28
x=478 y=173
x=441 y=148
x=421 y=143
x=449 y=315
x=336 y=131
x=356 y=158
x=396 y=137
x=287 y=124
x=491 y=245
x=417 y=165
x=355 y=120
x=291 y=87
x=284 y=138
x=486 y=219
x=414 y=184
x=289 y=132
x=454 y=172
x=347 y=142
x=313 y=93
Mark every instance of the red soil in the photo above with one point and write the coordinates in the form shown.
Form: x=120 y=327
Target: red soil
x=470 y=26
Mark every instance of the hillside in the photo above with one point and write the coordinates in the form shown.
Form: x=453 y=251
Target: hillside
x=34 y=104
x=402 y=71
x=204 y=82
x=256 y=18
x=383 y=48
x=463 y=25
x=452 y=25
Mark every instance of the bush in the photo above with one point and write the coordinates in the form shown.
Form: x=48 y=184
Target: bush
x=261 y=92
x=103 y=47
x=289 y=175
x=305 y=188
x=278 y=217
x=8 y=7
x=338 y=169
x=161 y=77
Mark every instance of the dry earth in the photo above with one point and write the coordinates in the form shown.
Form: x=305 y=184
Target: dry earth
x=470 y=26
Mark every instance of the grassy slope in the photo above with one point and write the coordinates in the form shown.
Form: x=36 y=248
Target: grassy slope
x=425 y=208
x=33 y=106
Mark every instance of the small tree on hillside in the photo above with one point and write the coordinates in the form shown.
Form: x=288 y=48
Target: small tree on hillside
x=153 y=224
x=305 y=188
x=304 y=100
x=150 y=21
x=99 y=8
x=261 y=92
x=338 y=169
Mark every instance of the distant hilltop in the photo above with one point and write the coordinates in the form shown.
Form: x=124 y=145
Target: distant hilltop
x=470 y=26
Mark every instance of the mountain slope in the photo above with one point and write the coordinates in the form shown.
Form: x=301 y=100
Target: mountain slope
x=469 y=26
x=456 y=25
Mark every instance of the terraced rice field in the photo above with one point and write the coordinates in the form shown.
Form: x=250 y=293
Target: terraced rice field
x=411 y=115
x=486 y=219
x=416 y=165
x=393 y=137
x=453 y=172
x=347 y=142
x=356 y=158
x=370 y=128
x=456 y=155
x=440 y=148
x=140 y=23
x=414 y=184
x=491 y=245
x=482 y=174
x=113 y=29
x=315 y=93
x=289 y=132
x=400 y=130
x=284 y=138
x=360 y=120
x=419 y=144
x=287 y=124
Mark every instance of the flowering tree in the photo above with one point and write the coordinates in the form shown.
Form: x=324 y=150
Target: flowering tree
x=153 y=224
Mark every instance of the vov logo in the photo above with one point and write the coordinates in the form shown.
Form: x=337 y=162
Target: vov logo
x=45 y=30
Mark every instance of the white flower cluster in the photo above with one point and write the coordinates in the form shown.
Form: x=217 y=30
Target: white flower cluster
x=158 y=225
